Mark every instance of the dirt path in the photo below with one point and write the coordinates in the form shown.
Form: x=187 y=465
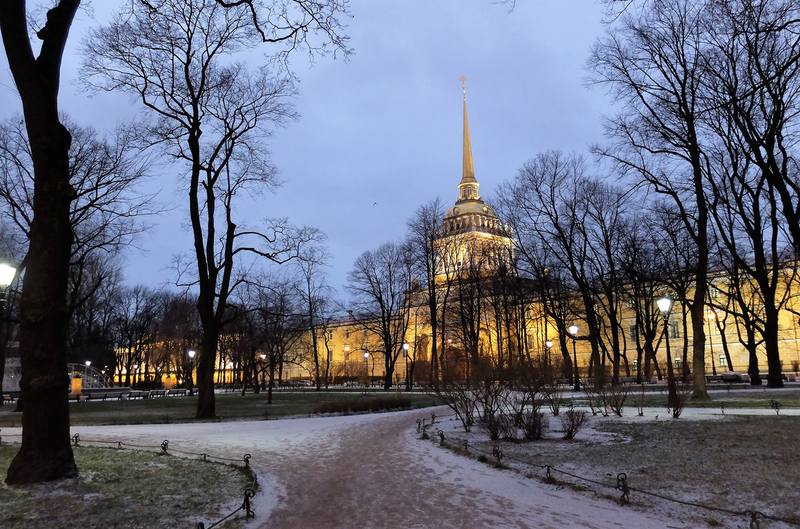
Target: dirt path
x=371 y=472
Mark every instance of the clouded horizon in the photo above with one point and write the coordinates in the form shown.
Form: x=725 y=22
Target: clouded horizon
x=380 y=133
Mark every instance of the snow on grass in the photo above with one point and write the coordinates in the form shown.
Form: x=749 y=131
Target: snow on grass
x=736 y=462
x=123 y=488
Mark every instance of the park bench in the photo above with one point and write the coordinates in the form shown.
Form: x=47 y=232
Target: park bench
x=133 y=395
x=177 y=392
x=156 y=394
x=8 y=398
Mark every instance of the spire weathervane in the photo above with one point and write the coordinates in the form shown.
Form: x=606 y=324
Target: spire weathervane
x=463 y=80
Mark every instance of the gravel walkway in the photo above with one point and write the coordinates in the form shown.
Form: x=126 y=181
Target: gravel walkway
x=371 y=472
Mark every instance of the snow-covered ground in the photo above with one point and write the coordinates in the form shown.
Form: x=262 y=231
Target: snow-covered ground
x=372 y=471
x=695 y=458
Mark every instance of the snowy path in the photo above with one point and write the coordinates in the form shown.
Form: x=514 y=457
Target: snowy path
x=371 y=472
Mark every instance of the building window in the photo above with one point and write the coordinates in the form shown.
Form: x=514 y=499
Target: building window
x=723 y=362
x=677 y=363
x=674 y=329
x=632 y=331
x=636 y=364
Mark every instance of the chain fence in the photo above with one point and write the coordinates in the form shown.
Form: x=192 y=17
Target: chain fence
x=620 y=485
x=243 y=463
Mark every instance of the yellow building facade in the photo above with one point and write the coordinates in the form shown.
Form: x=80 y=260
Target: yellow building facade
x=473 y=232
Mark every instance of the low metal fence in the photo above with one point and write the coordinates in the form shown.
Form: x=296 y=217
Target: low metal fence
x=620 y=485
x=244 y=462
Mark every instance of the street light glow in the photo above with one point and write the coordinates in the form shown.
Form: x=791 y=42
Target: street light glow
x=7 y=273
x=573 y=330
x=664 y=305
x=191 y=353
x=549 y=344
x=405 y=347
x=366 y=355
x=88 y=363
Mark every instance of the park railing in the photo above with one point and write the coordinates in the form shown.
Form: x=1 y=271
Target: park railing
x=621 y=485
x=165 y=448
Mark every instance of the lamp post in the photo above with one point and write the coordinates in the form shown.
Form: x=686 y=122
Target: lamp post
x=366 y=371
x=405 y=356
x=7 y=274
x=710 y=316
x=191 y=354
x=573 y=331
x=548 y=345
x=665 y=306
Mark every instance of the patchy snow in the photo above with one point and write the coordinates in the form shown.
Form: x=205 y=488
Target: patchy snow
x=372 y=472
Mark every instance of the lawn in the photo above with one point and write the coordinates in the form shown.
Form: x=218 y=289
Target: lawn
x=229 y=407
x=736 y=463
x=123 y=488
x=750 y=397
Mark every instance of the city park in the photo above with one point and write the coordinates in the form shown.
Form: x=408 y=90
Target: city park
x=542 y=356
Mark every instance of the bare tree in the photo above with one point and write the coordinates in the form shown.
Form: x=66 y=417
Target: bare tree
x=314 y=292
x=213 y=115
x=653 y=60
x=134 y=330
x=425 y=232
x=547 y=207
x=380 y=283
x=45 y=453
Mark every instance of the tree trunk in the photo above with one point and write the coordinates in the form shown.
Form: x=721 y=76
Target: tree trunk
x=206 y=403
x=45 y=453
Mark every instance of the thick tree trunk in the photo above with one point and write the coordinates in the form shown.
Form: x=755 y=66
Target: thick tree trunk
x=46 y=453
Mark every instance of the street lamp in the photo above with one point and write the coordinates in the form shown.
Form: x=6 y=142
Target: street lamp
x=665 y=306
x=191 y=354
x=548 y=345
x=366 y=371
x=573 y=331
x=405 y=357
x=7 y=273
x=88 y=363
x=711 y=315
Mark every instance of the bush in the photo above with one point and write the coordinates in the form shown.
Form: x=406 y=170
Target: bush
x=554 y=396
x=364 y=405
x=615 y=398
x=572 y=421
x=534 y=425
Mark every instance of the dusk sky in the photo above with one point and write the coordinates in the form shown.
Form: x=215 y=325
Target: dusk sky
x=380 y=133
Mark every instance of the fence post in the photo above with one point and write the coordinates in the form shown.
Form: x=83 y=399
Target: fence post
x=248 y=510
x=622 y=486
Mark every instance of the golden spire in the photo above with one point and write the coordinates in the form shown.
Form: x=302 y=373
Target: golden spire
x=468 y=170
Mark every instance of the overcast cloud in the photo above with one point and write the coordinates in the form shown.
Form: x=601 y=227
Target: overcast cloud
x=380 y=134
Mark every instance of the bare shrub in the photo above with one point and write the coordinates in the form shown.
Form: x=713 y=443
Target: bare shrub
x=528 y=392
x=534 y=424
x=572 y=421
x=461 y=399
x=615 y=397
x=594 y=400
x=554 y=397
x=504 y=428
x=683 y=392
